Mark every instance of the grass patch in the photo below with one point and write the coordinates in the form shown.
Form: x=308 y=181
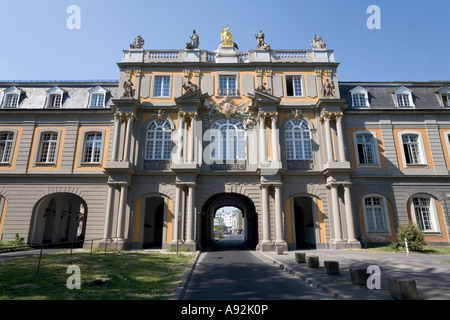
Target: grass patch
x=124 y=275
x=426 y=249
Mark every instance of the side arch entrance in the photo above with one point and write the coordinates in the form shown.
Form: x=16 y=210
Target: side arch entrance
x=58 y=219
x=220 y=200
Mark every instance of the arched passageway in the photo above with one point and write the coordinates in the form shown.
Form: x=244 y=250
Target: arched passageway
x=247 y=209
x=59 y=219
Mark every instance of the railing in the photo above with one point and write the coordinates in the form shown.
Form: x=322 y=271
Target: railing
x=163 y=56
x=291 y=55
x=114 y=245
x=276 y=56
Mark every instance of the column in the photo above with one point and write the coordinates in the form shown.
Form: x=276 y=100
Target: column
x=181 y=130
x=278 y=218
x=328 y=142
x=115 y=150
x=336 y=214
x=275 y=152
x=177 y=213
x=349 y=214
x=262 y=138
x=190 y=215
x=191 y=138
x=109 y=211
x=122 y=210
x=340 y=137
x=126 y=154
x=265 y=213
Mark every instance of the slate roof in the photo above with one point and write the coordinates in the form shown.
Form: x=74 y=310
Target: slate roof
x=76 y=94
x=381 y=93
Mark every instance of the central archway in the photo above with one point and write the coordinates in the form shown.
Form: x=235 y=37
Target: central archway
x=220 y=200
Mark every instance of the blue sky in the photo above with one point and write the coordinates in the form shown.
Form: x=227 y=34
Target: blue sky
x=413 y=43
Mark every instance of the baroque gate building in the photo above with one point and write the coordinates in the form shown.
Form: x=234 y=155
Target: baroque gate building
x=148 y=160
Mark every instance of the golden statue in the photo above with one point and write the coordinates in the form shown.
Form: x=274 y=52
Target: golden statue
x=227 y=39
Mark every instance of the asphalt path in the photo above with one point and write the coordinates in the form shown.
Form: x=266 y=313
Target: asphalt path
x=230 y=271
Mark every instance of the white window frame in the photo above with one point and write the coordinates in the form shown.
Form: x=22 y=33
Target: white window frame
x=376 y=151
x=8 y=148
x=360 y=91
x=52 y=94
x=421 y=149
x=99 y=143
x=8 y=93
x=444 y=97
x=291 y=77
x=160 y=95
x=404 y=91
x=151 y=141
x=54 y=142
x=304 y=142
x=383 y=206
x=447 y=142
x=436 y=229
x=229 y=92
x=97 y=91
x=234 y=151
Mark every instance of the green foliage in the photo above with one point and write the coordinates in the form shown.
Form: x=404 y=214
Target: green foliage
x=13 y=245
x=413 y=236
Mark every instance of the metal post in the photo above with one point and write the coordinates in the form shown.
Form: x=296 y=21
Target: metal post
x=39 y=263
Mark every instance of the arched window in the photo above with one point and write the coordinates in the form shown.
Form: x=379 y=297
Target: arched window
x=159 y=140
x=228 y=140
x=298 y=140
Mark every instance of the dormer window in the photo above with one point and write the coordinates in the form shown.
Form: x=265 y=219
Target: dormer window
x=403 y=98
x=360 y=97
x=444 y=96
x=97 y=97
x=54 y=98
x=11 y=98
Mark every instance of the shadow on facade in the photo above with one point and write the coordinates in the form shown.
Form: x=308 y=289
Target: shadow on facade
x=243 y=203
x=59 y=220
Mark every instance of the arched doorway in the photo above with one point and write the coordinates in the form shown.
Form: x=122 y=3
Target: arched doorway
x=242 y=203
x=59 y=219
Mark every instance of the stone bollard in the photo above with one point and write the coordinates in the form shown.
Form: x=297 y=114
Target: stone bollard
x=403 y=289
x=313 y=262
x=331 y=267
x=300 y=257
x=359 y=276
x=279 y=250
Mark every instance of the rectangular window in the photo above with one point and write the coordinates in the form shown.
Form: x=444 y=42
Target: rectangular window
x=55 y=101
x=92 y=148
x=411 y=149
x=446 y=99
x=403 y=100
x=366 y=149
x=359 y=100
x=294 y=86
x=423 y=214
x=97 y=100
x=48 y=145
x=12 y=100
x=6 y=142
x=374 y=210
x=162 y=86
x=227 y=86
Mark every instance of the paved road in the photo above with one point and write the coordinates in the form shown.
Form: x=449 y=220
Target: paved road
x=229 y=271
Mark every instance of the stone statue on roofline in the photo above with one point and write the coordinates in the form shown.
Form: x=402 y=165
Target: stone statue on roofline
x=260 y=44
x=317 y=43
x=194 y=41
x=138 y=43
